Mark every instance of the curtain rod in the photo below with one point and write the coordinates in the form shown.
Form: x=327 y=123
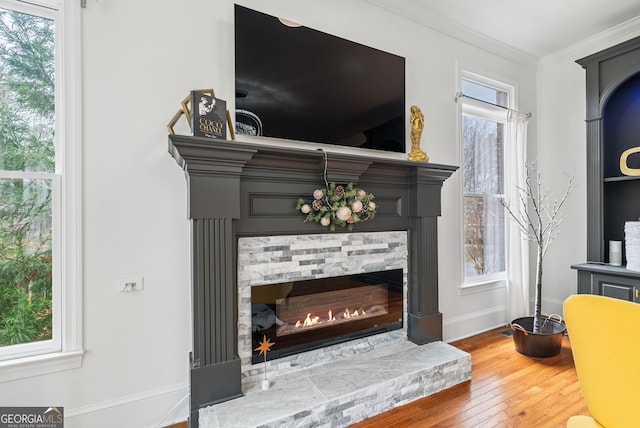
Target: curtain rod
x=460 y=95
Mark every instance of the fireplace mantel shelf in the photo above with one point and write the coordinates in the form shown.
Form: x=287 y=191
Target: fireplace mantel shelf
x=238 y=189
x=187 y=149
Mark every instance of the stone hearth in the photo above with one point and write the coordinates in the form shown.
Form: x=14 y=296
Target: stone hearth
x=372 y=379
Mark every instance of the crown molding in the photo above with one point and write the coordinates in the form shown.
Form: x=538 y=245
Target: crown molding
x=413 y=11
x=603 y=40
x=417 y=13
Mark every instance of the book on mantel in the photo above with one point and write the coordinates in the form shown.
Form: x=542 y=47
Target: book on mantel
x=208 y=116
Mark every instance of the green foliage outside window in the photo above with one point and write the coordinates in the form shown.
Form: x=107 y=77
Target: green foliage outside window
x=27 y=113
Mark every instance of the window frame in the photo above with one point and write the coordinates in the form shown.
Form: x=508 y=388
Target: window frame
x=65 y=350
x=487 y=111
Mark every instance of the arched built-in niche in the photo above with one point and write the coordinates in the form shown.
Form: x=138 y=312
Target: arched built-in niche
x=620 y=132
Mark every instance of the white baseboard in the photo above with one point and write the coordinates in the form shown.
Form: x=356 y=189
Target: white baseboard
x=151 y=409
x=478 y=322
x=471 y=324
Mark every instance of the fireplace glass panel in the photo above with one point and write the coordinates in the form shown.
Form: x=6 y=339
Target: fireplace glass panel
x=304 y=315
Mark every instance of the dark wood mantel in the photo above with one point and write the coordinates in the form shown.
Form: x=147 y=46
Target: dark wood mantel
x=240 y=189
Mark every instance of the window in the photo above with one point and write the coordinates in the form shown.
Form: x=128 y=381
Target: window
x=39 y=275
x=484 y=104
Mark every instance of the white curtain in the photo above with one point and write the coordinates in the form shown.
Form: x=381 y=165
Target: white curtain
x=518 y=247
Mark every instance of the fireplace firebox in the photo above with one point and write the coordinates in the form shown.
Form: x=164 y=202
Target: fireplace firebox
x=303 y=315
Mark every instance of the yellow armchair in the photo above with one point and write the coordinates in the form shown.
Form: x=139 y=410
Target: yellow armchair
x=605 y=341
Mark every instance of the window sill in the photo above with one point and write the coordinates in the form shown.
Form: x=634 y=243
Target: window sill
x=37 y=365
x=482 y=285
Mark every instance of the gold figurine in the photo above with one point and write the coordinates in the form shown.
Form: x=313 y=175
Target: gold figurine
x=417 y=124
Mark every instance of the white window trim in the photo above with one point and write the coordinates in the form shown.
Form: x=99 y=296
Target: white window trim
x=484 y=284
x=487 y=81
x=69 y=352
x=481 y=110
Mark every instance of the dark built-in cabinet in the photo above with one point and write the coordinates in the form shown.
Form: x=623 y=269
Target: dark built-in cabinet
x=613 y=126
x=610 y=281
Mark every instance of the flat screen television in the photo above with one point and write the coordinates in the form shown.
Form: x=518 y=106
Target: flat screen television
x=297 y=83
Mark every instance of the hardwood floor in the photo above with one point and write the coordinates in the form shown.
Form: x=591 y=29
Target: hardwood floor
x=506 y=390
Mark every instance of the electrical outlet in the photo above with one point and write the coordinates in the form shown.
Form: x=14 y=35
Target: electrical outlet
x=129 y=285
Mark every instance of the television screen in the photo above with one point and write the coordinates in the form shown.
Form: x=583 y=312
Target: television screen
x=296 y=83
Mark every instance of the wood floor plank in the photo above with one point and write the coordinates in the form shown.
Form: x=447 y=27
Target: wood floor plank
x=506 y=390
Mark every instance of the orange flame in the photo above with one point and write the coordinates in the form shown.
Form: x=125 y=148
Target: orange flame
x=311 y=321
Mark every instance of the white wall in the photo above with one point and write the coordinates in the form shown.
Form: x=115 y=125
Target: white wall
x=141 y=58
x=561 y=152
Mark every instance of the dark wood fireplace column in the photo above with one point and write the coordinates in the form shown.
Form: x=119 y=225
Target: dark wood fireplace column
x=424 y=317
x=240 y=189
x=213 y=191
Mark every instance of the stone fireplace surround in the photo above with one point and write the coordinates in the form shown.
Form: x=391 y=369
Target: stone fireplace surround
x=273 y=259
x=238 y=189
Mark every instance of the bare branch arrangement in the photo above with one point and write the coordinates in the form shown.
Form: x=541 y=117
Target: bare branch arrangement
x=539 y=220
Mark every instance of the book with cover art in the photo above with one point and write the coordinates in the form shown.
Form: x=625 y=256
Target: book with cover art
x=208 y=115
